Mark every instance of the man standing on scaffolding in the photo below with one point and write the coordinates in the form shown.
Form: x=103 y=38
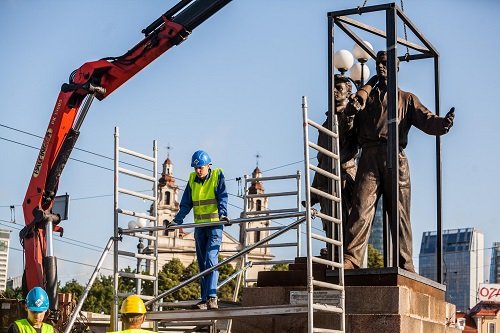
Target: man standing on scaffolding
x=206 y=194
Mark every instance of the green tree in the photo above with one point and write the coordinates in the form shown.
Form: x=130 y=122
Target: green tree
x=72 y=287
x=375 y=258
x=226 y=291
x=280 y=267
x=100 y=296
x=10 y=293
x=170 y=276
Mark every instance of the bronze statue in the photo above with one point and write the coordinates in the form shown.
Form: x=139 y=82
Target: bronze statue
x=348 y=151
x=372 y=178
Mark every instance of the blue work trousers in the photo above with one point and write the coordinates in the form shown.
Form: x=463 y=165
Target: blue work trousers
x=208 y=241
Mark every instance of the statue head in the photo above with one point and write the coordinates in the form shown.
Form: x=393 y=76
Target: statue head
x=342 y=89
x=381 y=65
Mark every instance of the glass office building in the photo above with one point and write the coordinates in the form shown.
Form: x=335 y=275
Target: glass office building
x=377 y=234
x=463 y=263
x=495 y=263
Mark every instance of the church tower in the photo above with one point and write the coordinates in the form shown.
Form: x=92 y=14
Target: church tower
x=168 y=204
x=256 y=204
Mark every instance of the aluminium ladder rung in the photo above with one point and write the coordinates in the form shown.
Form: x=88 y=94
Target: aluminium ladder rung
x=326 y=262
x=324 y=151
x=143 y=297
x=326 y=239
x=136 y=174
x=265 y=228
x=137 y=276
x=135 y=214
x=322 y=129
x=272 y=211
x=267 y=195
x=137 y=194
x=272 y=262
x=324 y=195
x=324 y=172
x=143 y=236
x=277 y=245
x=327 y=285
x=326 y=330
x=136 y=154
x=327 y=308
x=327 y=217
x=136 y=255
x=261 y=179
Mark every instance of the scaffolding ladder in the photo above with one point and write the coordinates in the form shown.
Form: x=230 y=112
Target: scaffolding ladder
x=152 y=237
x=333 y=237
x=252 y=206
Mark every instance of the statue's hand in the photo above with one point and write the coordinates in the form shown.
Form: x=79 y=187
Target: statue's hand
x=448 y=119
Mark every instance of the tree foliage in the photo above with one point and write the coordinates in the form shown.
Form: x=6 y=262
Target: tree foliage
x=375 y=258
x=10 y=293
x=100 y=296
x=280 y=267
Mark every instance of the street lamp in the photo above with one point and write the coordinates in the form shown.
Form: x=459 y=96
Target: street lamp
x=343 y=60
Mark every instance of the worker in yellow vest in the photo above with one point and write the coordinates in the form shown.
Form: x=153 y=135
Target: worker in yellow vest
x=206 y=194
x=133 y=314
x=37 y=304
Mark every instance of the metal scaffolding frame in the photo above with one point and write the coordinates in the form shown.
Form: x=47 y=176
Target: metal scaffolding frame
x=249 y=211
x=425 y=51
x=152 y=237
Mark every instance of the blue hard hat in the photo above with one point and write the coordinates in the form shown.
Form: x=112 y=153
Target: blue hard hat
x=37 y=300
x=200 y=158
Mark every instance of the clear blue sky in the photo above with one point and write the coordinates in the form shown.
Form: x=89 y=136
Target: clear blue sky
x=234 y=89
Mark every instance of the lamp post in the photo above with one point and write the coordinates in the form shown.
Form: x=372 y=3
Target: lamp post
x=343 y=60
x=138 y=223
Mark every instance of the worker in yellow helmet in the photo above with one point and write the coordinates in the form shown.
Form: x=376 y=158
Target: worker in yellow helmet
x=133 y=313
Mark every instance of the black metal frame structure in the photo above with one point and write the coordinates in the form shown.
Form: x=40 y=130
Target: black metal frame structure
x=392 y=12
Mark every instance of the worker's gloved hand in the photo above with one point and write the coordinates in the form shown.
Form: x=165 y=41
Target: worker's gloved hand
x=225 y=219
x=168 y=225
x=448 y=119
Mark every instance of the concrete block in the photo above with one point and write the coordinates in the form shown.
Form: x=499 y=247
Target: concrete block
x=374 y=324
x=431 y=327
x=438 y=310
x=377 y=300
x=419 y=305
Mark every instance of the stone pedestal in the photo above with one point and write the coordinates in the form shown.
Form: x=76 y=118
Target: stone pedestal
x=388 y=300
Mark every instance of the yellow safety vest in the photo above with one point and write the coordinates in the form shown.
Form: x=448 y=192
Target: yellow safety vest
x=205 y=207
x=24 y=326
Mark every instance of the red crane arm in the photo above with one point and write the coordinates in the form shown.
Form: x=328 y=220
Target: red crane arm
x=93 y=79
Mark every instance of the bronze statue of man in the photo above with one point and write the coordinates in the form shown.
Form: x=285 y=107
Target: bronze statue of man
x=373 y=178
x=348 y=150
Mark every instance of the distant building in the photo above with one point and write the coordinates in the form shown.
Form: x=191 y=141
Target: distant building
x=495 y=263
x=4 y=257
x=463 y=252
x=15 y=282
x=377 y=234
x=482 y=318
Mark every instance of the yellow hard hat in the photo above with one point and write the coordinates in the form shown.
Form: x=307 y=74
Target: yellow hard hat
x=133 y=304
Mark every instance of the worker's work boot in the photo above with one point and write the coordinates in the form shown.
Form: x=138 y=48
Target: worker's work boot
x=212 y=303
x=202 y=305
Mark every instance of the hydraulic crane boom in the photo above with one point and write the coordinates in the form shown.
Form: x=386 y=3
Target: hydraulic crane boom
x=96 y=79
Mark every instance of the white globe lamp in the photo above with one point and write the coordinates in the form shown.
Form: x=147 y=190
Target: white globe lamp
x=361 y=55
x=359 y=72
x=343 y=60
